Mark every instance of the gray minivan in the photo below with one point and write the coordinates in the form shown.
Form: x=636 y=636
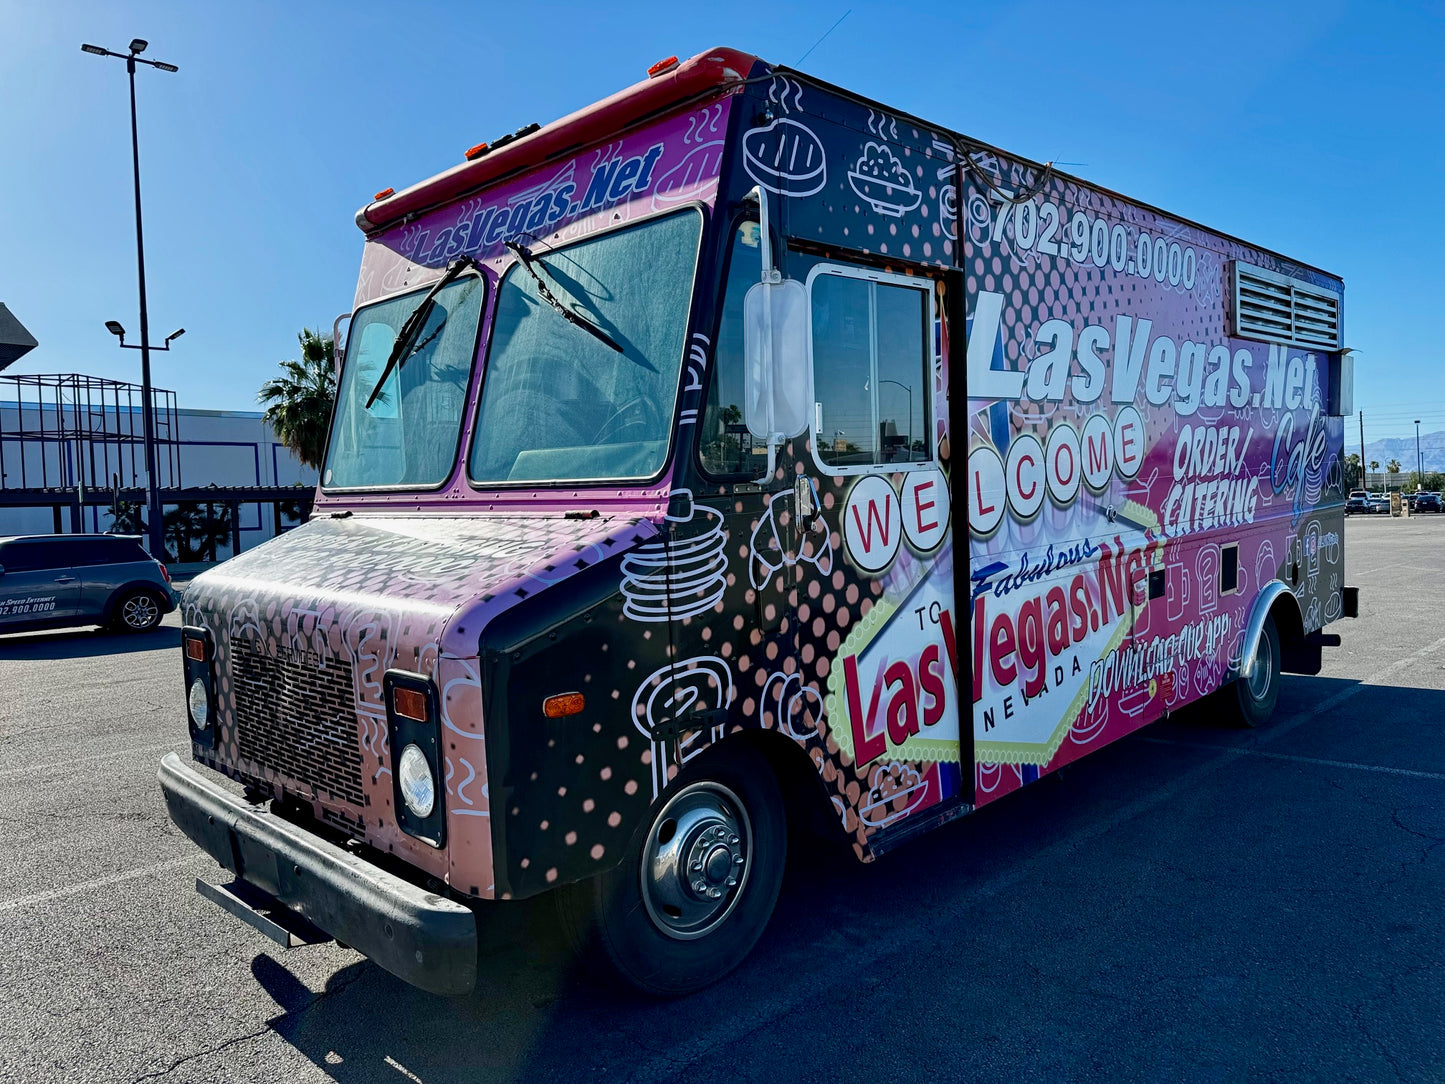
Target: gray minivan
x=52 y=581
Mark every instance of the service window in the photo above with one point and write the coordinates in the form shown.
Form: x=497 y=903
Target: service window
x=872 y=353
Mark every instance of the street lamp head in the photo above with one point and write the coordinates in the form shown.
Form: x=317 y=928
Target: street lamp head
x=113 y=326
x=96 y=49
x=164 y=67
x=138 y=46
x=176 y=334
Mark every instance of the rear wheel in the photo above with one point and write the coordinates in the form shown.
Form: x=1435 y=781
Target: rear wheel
x=697 y=888
x=137 y=611
x=1252 y=699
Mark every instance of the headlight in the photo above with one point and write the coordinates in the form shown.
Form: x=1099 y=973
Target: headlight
x=418 y=790
x=199 y=704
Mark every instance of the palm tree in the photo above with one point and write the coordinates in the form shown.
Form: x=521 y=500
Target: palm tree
x=301 y=400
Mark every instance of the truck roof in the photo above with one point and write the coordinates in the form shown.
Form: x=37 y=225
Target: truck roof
x=695 y=78
x=698 y=77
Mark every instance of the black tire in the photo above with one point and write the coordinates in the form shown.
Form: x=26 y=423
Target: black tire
x=1252 y=700
x=137 y=611
x=637 y=934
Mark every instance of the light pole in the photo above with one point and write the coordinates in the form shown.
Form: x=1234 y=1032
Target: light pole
x=909 y=390
x=1419 y=462
x=153 y=497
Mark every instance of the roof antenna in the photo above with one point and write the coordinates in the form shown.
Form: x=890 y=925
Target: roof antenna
x=825 y=34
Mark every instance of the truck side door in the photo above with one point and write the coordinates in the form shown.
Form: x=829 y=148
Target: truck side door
x=884 y=620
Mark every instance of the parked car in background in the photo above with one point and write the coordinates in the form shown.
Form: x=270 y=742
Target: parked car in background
x=1380 y=503
x=54 y=581
x=1427 y=502
x=1359 y=502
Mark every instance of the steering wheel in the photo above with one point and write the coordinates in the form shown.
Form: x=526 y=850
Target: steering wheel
x=644 y=415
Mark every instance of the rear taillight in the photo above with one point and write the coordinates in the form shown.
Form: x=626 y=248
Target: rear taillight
x=165 y=572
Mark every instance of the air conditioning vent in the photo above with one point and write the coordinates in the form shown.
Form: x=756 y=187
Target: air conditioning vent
x=1274 y=308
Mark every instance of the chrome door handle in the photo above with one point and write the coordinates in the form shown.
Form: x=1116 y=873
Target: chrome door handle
x=64 y=579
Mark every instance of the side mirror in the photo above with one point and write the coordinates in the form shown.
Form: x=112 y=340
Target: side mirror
x=775 y=359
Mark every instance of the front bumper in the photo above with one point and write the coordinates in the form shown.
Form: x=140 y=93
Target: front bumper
x=423 y=938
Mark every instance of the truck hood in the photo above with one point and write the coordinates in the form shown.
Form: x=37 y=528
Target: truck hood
x=421 y=585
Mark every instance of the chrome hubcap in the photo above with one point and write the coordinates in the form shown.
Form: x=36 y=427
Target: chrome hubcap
x=139 y=611
x=1259 y=674
x=696 y=860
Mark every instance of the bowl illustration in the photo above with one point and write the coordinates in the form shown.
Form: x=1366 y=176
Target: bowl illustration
x=880 y=179
x=785 y=157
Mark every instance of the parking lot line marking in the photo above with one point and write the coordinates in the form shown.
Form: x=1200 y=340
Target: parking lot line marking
x=166 y=747
x=100 y=882
x=1238 y=750
x=1408 y=660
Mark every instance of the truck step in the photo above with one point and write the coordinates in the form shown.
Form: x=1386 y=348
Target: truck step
x=264 y=912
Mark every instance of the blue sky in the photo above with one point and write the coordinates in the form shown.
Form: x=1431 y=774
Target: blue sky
x=1313 y=129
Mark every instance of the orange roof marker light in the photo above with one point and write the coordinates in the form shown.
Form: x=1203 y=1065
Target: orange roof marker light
x=476 y=152
x=384 y=193
x=562 y=705
x=662 y=67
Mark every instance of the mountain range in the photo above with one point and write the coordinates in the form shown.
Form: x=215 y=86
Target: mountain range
x=1432 y=448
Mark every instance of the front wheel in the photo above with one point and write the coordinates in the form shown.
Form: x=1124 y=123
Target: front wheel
x=1252 y=699
x=699 y=884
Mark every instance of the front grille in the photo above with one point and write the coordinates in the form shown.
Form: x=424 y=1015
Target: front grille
x=298 y=720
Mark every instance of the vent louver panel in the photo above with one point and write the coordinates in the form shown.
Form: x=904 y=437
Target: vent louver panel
x=1275 y=308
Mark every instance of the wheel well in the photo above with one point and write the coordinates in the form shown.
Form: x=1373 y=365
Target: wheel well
x=125 y=589
x=1295 y=654
x=804 y=795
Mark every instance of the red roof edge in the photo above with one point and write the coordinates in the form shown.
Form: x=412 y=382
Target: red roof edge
x=601 y=120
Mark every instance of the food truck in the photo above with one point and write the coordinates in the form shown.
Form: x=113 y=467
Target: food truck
x=657 y=430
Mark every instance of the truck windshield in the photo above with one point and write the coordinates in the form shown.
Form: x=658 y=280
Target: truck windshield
x=408 y=436
x=560 y=405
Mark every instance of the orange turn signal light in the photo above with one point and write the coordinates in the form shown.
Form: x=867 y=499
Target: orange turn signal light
x=476 y=152
x=662 y=67
x=563 y=704
x=195 y=649
x=384 y=193
x=409 y=703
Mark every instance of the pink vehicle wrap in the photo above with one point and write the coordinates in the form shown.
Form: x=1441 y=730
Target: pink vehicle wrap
x=1134 y=480
x=1138 y=474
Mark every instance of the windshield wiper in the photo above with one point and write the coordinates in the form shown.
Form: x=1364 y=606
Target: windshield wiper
x=527 y=260
x=406 y=344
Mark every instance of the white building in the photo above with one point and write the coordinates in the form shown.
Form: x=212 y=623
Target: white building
x=69 y=442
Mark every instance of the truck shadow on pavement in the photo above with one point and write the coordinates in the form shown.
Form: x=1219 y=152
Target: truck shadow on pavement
x=82 y=643
x=971 y=923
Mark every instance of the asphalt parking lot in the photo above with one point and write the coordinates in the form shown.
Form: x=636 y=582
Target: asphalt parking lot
x=1193 y=902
